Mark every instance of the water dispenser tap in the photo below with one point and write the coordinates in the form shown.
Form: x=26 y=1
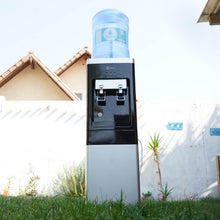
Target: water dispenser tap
x=120 y=95
x=101 y=91
x=101 y=95
x=120 y=89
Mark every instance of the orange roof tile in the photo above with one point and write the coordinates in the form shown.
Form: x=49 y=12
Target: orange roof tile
x=74 y=59
x=27 y=60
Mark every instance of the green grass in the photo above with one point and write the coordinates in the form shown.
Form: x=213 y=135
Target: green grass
x=79 y=208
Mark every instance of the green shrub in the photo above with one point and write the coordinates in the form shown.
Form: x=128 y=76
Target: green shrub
x=71 y=182
x=31 y=188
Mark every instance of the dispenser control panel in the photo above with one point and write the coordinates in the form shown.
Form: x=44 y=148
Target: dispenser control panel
x=111 y=104
x=117 y=87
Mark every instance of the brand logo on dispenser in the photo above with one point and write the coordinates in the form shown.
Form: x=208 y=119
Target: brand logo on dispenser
x=110 y=34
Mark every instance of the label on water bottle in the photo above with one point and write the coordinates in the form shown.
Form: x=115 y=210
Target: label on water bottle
x=110 y=34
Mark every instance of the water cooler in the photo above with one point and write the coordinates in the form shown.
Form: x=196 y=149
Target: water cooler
x=112 y=145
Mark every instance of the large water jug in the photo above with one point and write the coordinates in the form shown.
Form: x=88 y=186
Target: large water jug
x=110 y=34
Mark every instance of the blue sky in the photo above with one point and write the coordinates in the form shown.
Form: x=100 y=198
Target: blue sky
x=176 y=58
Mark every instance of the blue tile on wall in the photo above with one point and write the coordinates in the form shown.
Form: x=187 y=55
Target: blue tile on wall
x=175 y=126
x=215 y=131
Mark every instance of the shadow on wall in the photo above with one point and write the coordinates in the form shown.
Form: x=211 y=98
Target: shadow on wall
x=188 y=161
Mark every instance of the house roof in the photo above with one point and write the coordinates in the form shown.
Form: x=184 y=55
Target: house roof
x=73 y=60
x=211 y=13
x=31 y=59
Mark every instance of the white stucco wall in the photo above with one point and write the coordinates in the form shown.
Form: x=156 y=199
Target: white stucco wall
x=45 y=135
x=42 y=136
x=188 y=161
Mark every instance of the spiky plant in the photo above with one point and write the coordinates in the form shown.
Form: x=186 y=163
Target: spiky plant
x=166 y=192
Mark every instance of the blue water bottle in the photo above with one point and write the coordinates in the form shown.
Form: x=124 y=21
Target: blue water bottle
x=110 y=34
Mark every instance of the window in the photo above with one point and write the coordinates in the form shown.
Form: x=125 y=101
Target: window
x=79 y=95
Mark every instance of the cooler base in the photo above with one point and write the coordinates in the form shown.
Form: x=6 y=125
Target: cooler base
x=112 y=172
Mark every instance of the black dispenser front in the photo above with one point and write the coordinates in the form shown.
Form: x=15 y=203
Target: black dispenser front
x=111 y=113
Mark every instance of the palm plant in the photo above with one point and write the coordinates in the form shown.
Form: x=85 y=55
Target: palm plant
x=155 y=145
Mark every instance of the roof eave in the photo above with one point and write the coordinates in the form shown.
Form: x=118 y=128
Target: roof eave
x=211 y=13
x=73 y=60
x=14 y=70
x=56 y=79
x=31 y=59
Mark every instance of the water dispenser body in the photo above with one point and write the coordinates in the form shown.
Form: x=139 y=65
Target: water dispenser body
x=112 y=143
